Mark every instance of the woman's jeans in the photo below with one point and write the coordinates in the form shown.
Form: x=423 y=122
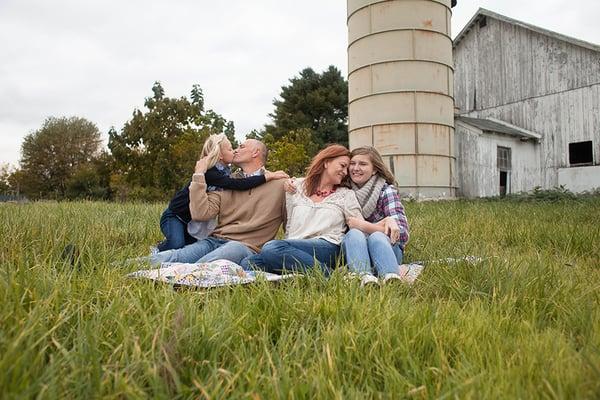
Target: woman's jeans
x=363 y=252
x=294 y=255
x=175 y=231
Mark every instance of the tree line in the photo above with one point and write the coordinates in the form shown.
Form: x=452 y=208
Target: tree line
x=154 y=152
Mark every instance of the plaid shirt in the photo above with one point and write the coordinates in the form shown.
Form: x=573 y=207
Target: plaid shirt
x=389 y=205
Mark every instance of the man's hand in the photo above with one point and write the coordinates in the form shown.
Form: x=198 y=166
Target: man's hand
x=269 y=176
x=391 y=229
x=290 y=186
x=201 y=166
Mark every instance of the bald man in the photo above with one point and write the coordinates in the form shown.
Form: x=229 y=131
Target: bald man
x=246 y=219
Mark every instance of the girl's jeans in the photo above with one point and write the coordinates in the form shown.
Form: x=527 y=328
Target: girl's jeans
x=175 y=231
x=363 y=252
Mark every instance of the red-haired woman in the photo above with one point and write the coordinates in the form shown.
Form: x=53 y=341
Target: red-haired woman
x=316 y=217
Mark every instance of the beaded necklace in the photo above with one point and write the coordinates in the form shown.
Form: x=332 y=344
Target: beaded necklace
x=325 y=193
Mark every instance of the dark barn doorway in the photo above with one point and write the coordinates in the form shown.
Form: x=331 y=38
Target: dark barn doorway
x=504 y=167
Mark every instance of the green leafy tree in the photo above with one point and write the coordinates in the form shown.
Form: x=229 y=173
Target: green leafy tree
x=291 y=153
x=15 y=180
x=318 y=102
x=5 y=173
x=51 y=155
x=92 y=180
x=156 y=150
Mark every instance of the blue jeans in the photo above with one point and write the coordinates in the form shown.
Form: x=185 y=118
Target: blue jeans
x=175 y=231
x=205 y=250
x=363 y=252
x=294 y=255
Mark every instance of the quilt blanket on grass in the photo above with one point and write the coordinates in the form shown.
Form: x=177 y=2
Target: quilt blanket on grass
x=205 y=275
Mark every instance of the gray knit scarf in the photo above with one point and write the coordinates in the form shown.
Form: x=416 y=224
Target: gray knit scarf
x=368 y=194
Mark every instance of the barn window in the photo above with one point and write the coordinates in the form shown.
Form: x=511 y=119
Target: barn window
x=503 y=161
x=581 y=153
x=504 y=167
x=483 y=22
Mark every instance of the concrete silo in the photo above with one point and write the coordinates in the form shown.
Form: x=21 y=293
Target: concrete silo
x=400 y=79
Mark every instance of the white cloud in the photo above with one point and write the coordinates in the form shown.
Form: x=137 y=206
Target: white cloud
x=99 y=59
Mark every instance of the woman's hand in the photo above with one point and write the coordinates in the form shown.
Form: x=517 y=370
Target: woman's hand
x=201 y=166
x=354 y=222
x=391 y=229
x=290 y=186
x=269 y=176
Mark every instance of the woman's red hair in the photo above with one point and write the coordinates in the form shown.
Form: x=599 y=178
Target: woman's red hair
x=317 y=166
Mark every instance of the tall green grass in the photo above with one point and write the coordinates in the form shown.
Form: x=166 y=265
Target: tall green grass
x=523 y=323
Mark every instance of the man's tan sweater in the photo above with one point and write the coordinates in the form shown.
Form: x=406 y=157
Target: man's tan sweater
x=252 y=217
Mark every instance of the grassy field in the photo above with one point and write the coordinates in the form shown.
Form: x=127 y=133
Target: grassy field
x=524 y=323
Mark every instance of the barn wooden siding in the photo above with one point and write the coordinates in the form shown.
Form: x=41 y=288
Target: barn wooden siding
x=537 y=81
x=477 y=173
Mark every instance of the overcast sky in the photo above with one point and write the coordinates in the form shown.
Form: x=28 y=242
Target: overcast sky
x=99 y=59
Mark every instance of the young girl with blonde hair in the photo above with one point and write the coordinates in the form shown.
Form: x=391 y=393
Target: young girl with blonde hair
x=176 y=221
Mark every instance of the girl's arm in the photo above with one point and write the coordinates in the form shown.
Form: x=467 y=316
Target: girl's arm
x=354 y=217
x=220 y=179
x=394 y=224
x=393 y=208
x=388 y=225
x=214 y=177
x=365 y=226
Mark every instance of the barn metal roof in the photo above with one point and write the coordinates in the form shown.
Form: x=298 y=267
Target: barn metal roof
x=487 y=13
x=498 y=126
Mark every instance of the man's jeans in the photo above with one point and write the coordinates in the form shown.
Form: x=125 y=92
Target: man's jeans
x=175 y=231
x=294 y=255
x=362 y=252
x=205 y=250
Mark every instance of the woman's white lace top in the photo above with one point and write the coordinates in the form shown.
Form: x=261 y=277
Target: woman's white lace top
x=325 y=220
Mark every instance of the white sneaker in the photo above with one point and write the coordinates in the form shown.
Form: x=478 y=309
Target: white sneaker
x=368 y=280
x=391 y=278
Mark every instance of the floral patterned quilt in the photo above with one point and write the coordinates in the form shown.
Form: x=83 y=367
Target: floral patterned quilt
x=205 y=275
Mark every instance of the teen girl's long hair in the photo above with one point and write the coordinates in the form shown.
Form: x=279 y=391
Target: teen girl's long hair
x=212 y=149
x=317 y=166
x=377 y=162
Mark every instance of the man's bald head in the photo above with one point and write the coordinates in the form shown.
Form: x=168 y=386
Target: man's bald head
x=259 y=147
x=251 y=153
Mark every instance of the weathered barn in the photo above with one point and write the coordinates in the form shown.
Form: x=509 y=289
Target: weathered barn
x=527 y=104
